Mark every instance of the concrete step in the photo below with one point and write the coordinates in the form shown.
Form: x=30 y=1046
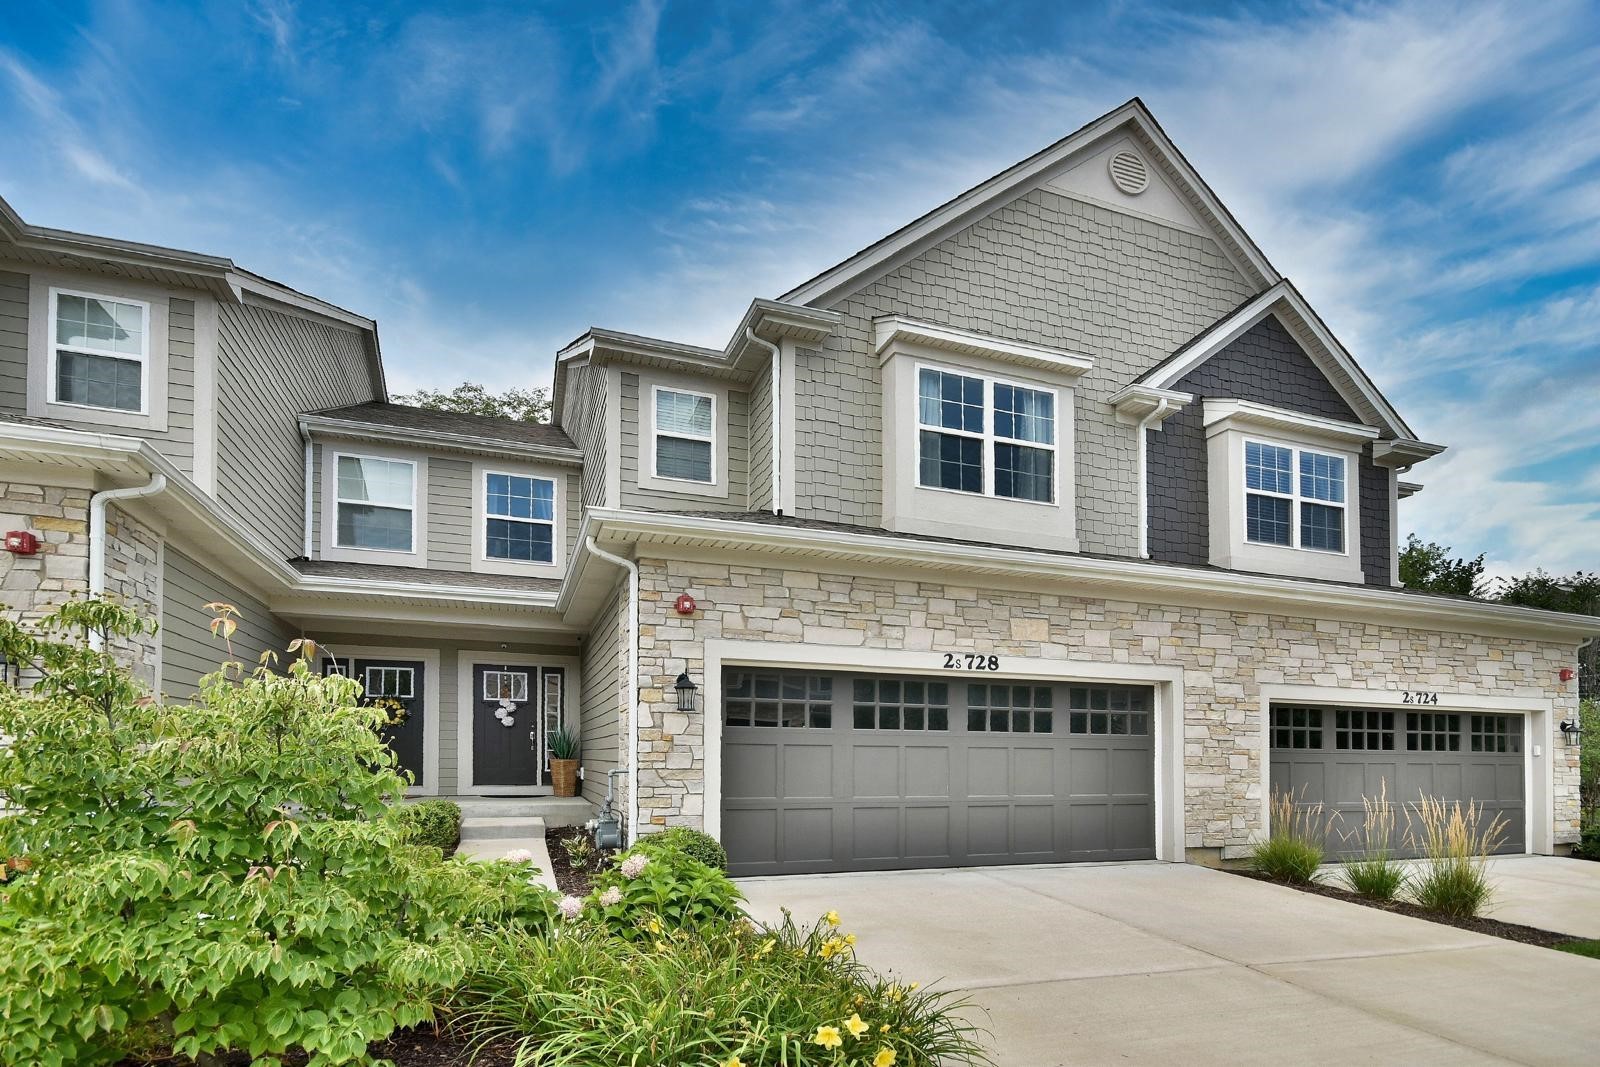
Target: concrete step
x=499 y=828
x=555 y=811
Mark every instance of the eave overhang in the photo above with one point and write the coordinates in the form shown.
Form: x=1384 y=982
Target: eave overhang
x=891 y=330
x=345 y=429
x=1134 y=403
x=1403 y=454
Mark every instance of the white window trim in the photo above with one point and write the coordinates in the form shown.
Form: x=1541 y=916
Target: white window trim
x=481 y=561
x=44 y=287
x=52 y=382
x=656 y=433
x=1295 y=498
x=988 y=435
x=338 y=500
x=484 y=515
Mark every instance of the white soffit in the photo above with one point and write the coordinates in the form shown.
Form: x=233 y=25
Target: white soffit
x=1095 y=180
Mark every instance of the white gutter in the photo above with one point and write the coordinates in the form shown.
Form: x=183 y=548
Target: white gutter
x=97 y=533
x=633 y=683
x=777 y=418
x=1156 y=414
x=305 y=436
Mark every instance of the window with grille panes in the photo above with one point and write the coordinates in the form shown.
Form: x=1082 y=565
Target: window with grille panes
x=392 y=682
x=1110 y=710
x=505 y=685
x=1297 y=728
x=900 y=704
x=1017 y=709
x=1496 y=733
x=1433 y=731
x=1359 y=730
x=770 y=698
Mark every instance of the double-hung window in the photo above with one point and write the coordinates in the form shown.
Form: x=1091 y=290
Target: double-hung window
x=685 y=435
x=376 y=503
x=1294 y=497
x=519 y=518
x=977 y=434
x=99 y=352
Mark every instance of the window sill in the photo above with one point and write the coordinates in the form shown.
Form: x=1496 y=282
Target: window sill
x=1293 y=562
x=996 y=531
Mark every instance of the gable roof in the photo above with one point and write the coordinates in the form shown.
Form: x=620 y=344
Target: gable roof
x=1132 y=118
x=1336 y=363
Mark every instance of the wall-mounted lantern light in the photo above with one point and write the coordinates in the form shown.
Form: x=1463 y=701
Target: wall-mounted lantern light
x=686 y=690
x=1570 y=730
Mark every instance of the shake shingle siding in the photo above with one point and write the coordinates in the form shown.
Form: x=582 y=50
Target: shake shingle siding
x=760 y=436
x=188 y=651
x=13 y=343
x=1266 y=366
x=1044 y=269
x=271 y=365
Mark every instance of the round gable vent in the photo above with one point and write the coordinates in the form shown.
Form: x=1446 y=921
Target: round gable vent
x=1128 y=173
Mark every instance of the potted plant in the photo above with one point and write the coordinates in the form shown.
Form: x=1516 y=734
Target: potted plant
x=564 y=762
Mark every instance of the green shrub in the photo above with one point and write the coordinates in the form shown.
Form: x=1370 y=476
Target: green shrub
x=436 y=823
x=1291 y=852
x=702 y=846
x=1456 y=843
x=648 y=892
x=739 y=993
x=1376 y=875
x=215 y=875
x=1588 y=846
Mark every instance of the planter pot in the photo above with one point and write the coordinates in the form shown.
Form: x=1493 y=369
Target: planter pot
x=564 y=777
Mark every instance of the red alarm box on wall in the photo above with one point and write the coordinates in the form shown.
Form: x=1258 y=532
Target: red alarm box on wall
x=21 y=542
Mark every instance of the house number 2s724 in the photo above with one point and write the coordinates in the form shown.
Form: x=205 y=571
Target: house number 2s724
x=970 y=661
x=1415 y=696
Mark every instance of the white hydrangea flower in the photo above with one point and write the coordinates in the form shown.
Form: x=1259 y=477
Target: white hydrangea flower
x=570 y=907
x=518 y=855
x=634 y=866
x=611 y=896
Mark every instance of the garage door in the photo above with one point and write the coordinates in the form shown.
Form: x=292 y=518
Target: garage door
x=1335 y=756
x=854 y=772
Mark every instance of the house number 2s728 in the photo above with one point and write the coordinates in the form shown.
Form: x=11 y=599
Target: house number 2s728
x=1414 y=696
x=970 y=661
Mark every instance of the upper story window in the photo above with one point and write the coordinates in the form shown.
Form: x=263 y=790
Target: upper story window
x=1294 y=497
x=685 y=435
x=99 y=352
x=982 y=435
x=519 y=518
x=376 y=501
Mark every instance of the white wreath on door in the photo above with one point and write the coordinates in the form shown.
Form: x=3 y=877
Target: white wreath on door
x=507 y=713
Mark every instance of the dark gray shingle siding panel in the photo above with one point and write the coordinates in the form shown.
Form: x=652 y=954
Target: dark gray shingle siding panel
x=188 y=651
x=13 y=343
x=1266 y=366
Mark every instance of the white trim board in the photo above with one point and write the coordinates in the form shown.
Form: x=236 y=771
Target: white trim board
x=571 y=715
x=1166 y=681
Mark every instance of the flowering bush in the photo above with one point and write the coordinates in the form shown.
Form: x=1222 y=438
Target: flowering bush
x=218 y=875
x=649 y=893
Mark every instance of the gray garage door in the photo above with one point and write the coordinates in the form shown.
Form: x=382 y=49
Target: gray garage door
x=1336 y=756
x=848 y=772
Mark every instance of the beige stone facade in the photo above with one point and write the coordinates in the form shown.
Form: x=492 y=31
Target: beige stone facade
x=1226 y=658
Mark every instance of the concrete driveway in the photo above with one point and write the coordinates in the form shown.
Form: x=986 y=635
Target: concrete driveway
x=1548 y=892
x=1159 y=963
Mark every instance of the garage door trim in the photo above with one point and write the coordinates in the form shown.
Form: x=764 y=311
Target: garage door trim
x=1167 y=683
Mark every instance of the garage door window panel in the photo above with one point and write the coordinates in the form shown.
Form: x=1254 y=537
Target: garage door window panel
x=769 y=699
x=1358 y=730
x=1119 y=711
x=900 y=704
x=1496 y=733
x=1432 y=731
x=1017 y=709
x=1297 y=728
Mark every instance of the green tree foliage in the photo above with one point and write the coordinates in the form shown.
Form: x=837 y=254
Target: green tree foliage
x=224 y=874
x=1577 y=593
x=470 y=398
x=1428 y=566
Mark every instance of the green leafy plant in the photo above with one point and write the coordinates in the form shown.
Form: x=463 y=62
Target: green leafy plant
x=732 y=993
x=436 y=823
x=1456 y=843
x=646 y=893
x=691 y=842
x=580 y=850
x=219 y=875
x=1292 y=850
x=563 y=744
x=1377 y=875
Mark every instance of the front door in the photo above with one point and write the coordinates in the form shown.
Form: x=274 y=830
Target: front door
x=514 y=708
x=397 y=684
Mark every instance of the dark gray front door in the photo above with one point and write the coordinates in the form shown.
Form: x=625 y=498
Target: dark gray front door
x=846 y=772
x=508 y=737
x=1334 y=757
x=397 y=685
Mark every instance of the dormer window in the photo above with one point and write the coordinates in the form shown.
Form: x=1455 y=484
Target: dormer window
x=1296 y=512
x=685 y=435
x=978 y=434
x=100 y=351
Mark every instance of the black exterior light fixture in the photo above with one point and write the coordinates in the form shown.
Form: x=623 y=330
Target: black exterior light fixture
x=686 y=690
x=1570 y=730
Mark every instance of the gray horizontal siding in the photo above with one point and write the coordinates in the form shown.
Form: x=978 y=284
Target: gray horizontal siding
x=450 y=516
x=659 y=500
x=604 y=701
x=583 y=417
x=13 y=343
x=188 y=650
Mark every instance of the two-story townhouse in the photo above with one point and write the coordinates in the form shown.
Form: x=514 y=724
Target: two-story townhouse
x=1053 y=526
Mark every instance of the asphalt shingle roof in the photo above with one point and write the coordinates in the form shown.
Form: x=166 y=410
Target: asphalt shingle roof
x=484 y=427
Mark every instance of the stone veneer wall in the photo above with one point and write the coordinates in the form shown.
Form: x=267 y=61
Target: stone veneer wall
x=133 y=573
x=1226 y=657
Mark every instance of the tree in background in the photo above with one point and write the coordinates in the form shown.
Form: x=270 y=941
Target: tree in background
x=1579 y=594
x=470 y=398
x=1429 y=567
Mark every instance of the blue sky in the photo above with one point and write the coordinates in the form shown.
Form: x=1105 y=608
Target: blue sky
x=487 y=180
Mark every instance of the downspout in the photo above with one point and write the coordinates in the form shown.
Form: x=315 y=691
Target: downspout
x=97 y=534
x=777 y=418
x=1156 y=413
x=305 y=436
x=633 y=682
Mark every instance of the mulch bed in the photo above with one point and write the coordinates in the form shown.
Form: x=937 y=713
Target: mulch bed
x=568 y=879
x=422 y=1047
x=1528 y=935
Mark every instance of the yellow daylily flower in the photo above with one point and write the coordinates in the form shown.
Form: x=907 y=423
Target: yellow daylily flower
x=884 y=1029
x=828 y=1037
x=654 y=925
x=832 y=918
x=914 y=986
x=735 y=1061
x=884 y=1058
x=895 y=993
x=850 y=939
x=856 y=1026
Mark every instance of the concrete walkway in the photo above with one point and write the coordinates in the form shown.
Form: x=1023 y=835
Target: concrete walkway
x=1169 y=963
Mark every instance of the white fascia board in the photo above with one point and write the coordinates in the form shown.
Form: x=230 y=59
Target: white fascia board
x=1408 y=489
x=1220 y=335
x=372 y=431
x=520 y=598
x=1223 y=415
x=893 y=329
x=1152 y=581
x=242 y=281
x=1134 y=402
x=1403 y=453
